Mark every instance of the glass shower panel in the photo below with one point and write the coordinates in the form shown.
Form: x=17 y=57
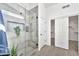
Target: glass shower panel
x=33 y=30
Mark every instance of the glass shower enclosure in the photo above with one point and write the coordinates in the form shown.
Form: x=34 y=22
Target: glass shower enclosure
x=21 y=27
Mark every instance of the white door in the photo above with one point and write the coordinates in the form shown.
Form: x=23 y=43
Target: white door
x=61 y=32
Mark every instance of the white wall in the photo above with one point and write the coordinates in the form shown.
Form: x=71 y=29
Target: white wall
x=57 y=11
x=42 y=26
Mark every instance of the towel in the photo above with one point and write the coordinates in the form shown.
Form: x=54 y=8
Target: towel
x=4 y=51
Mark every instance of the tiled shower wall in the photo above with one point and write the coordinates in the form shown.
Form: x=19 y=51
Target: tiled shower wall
x=12 y=39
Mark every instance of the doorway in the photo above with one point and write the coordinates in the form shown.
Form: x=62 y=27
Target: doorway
x=53 y=32
x=73 y=33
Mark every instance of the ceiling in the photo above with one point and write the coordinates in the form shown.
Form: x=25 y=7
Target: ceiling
x=28 y=6
x=35 y=10
x=49 y=4
x=33 y=7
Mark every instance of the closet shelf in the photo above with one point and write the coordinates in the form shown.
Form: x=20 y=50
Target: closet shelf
x=70 y=27
x=76 y=32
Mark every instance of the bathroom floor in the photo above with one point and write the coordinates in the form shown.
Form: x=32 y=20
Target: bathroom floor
x=73 y=45
x=56 y=51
